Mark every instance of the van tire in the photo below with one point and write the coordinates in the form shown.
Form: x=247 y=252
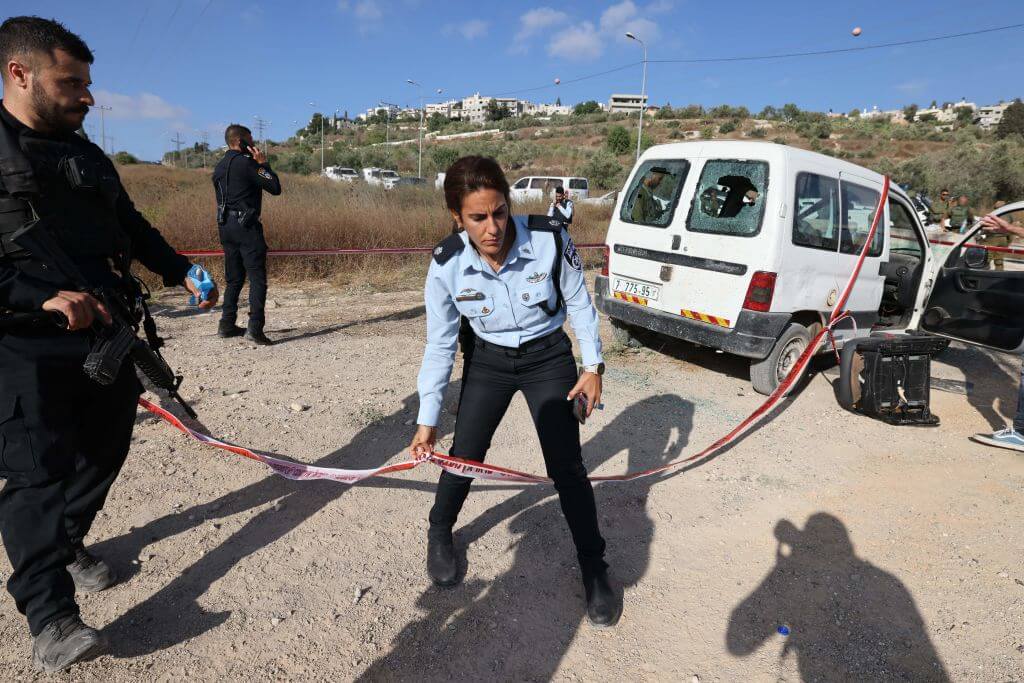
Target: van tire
x=766 y=374
x=622 y=334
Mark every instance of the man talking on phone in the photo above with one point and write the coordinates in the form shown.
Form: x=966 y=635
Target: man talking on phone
x=239 y=181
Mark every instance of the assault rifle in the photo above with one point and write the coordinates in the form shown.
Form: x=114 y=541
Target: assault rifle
x=113 y=343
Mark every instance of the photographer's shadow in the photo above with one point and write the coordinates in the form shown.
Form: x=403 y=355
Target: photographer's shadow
x=847 y=619
x=535 y=609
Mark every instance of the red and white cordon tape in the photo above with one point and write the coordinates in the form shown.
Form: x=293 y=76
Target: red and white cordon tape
x=479 y=470
x=343 y=252
x=1001 y=250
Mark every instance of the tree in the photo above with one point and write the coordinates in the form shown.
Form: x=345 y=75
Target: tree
x=964 y=115
x=437 y=121
x=910 y=113
x=618 y=140
x=791 y=112
x=124 y=158
x=769 y=112
x=603 y=170
x=1012 y=122
x=558 y=101
x=444 y=156
x=588 y=107
x=854 y=113
x=927 y=117
x=495 y=111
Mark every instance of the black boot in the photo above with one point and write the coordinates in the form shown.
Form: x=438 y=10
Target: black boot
x=64 y=642
x=90 y=573
x=257 y=337
x=603 y=604
x=228 y=328
x=441 y=565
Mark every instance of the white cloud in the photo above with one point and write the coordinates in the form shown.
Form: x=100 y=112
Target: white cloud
x=587 y=40
x=366 y=13
x=913 y=87
x=138 y=107
x=470 y=30
x=539 y=19
x=578 y=42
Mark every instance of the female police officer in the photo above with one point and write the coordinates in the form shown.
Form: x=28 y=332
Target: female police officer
x=514 y=280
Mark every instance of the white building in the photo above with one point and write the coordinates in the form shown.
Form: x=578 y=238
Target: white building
x=620 y=103
x=451 y=109
x=531 y=109
x=474 y=108
x=947 y=112
x=990 y=115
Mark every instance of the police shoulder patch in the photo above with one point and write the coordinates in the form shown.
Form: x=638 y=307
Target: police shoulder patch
x=448 y=247
x=544 y=223
x=264 y=173
x=572 y=257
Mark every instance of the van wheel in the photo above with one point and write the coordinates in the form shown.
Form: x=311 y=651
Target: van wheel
x=765 y=375
x=622 y=334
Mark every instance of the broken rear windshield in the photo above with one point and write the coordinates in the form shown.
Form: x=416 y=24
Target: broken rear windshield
x=730 y=198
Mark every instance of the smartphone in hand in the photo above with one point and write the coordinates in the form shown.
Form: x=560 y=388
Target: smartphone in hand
x=579 y=408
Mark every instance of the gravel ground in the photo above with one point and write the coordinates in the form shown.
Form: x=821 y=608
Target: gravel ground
x=887 y=552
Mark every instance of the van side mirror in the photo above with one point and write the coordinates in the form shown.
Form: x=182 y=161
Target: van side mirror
x=976 y=258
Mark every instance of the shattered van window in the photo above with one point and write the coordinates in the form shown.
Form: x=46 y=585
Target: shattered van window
x=859 y=205
x=654 y=192
x=730 y=198
x=816 y=215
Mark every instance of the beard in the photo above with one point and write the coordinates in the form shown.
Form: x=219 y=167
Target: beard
x=56 y=117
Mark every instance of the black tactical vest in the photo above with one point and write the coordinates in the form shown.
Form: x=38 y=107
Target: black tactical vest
x=71 y=188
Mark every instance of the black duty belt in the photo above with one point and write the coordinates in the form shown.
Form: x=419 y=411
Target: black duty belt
x=538 y=344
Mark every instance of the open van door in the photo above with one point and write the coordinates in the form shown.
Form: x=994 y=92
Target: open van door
x=970 y=300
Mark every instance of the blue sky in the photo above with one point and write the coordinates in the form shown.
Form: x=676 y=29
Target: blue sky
x=168 y=66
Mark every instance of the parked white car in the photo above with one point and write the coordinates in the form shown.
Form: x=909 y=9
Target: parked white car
x=379 y=176
x=744 y=247
x=341 y=174
x=439 y=181
x=389 y=178
x=539 y=188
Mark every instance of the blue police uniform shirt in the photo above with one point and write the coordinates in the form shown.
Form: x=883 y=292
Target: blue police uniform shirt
x=503 y=308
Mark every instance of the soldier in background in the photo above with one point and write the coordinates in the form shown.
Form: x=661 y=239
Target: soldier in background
x=960 y=215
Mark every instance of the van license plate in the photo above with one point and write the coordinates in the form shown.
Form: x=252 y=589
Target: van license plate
x=641 y=289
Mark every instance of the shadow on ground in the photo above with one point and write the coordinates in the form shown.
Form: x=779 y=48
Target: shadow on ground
x=848 y=619
x=519 y=626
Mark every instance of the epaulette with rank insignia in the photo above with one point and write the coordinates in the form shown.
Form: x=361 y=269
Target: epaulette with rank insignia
x=448 y=247
x=544 y=223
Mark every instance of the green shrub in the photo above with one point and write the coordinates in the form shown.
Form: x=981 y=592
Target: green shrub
x=604 y=170
x=618 y=140
x=758 y=133
x=727 y=127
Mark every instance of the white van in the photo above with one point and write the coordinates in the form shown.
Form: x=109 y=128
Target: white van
x=744 y=247
x=539 y=188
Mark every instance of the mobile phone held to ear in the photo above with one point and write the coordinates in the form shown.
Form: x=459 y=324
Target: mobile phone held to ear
x=579 y=408
x=244 y=147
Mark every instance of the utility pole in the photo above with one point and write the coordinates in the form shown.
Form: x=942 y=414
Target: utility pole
x=103 y=125
x=423 y=109
x=313 y=104
x=643 y=96
x=111 y=138
x=177 y=141
x=261 y=124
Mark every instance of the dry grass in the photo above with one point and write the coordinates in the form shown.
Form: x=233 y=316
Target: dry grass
x=317 y=214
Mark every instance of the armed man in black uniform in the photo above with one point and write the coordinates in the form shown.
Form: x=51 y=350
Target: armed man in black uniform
x=239 y=180
x=63 y=436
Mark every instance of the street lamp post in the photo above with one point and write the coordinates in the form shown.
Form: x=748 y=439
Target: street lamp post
x=643 y=96
x=103 y=125
x=419 y=167
x=313 y=104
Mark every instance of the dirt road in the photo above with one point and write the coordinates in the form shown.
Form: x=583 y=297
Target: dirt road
x=900 y=548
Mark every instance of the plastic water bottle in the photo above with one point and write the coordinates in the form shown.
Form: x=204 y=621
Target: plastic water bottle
x=783 y=630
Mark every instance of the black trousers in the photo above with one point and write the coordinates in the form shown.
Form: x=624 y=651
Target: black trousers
x=245 y=253
x=545 y=376
x=63 y=440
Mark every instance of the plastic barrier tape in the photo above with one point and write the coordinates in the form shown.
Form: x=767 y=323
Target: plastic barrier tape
x=479 y=470
x=344 y=252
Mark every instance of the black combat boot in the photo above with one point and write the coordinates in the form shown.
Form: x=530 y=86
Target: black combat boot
x=257 y=337
x=228 y=328
x=63 y=642
x=90 y=573
x=603 y=604
x=441 y=565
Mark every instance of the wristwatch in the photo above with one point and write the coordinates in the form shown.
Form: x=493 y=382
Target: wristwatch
x=596 y=369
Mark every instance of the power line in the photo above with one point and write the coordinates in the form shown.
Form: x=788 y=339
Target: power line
x=138 y=28
x=784 y=55
x=835 y=51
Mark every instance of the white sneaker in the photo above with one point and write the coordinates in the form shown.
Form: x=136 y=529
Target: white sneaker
x=1006 y=438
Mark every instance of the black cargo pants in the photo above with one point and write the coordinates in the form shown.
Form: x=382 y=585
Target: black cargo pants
x=63 y=440
x=545 y=371
x=245 y=254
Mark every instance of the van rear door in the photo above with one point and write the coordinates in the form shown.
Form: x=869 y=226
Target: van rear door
x=645 y=235
x=970 y=300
